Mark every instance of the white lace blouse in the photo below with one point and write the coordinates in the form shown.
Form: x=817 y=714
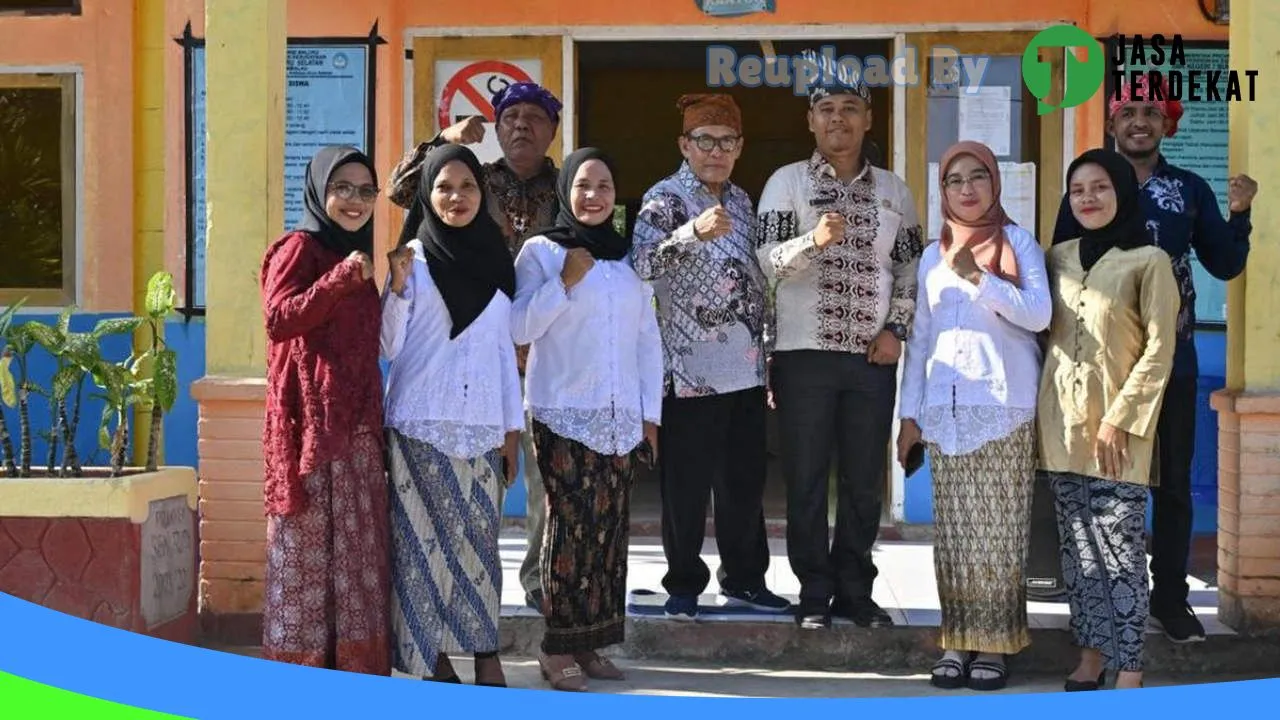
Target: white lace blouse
x=462 y=395
x=972 y=364
x=594 y=372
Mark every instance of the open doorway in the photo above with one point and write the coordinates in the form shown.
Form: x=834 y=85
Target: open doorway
x=626 y=104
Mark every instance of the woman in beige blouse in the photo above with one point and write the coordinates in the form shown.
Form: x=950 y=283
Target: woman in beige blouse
x=1109 y=355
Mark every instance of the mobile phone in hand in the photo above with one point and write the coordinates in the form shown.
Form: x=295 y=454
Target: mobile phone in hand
x=645 y=453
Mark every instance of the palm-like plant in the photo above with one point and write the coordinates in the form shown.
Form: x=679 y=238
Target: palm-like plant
x=19 y=343
x=149 y=378
x=8 y=390
x=162 y=387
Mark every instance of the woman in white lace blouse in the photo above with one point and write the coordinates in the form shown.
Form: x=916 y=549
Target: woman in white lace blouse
x=593 y=387
x=453 y=421
x=969 y=394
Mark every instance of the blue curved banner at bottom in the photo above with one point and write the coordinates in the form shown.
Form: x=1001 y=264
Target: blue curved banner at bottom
x=84 y=657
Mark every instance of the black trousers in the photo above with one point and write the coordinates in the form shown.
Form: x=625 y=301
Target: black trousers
x=832 y=401
x=706 y=445
x=1171 y=500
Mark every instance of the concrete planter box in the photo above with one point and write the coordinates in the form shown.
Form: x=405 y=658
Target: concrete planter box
x=119 y=551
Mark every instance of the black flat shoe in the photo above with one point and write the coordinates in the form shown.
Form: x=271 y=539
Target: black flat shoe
x=453 y=679
x=1087 y=685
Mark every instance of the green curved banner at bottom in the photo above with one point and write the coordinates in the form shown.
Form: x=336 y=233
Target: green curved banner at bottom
x=27 y=700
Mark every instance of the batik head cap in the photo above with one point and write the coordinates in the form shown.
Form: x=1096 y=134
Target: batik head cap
x=707 y=109
x=834 y=78
x=526 y=92
x=1171 y=109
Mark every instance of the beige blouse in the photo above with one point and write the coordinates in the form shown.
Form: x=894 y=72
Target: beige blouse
x=1109 y=356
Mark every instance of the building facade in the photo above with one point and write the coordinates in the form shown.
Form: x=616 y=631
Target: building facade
x=175 y=133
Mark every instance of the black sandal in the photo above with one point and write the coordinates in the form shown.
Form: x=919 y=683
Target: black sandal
x=1086 y=685
x=946 y=681
x=988 y=684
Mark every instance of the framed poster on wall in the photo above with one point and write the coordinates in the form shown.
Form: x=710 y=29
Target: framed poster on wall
x=329 y=85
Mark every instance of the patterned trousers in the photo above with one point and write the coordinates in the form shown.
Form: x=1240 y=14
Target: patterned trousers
x=1102 y=524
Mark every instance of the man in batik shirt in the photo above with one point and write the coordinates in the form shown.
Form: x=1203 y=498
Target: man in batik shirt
x=840 y=241
x=694 y=242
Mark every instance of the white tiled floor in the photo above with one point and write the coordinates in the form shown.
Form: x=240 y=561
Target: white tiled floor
x=905 y=587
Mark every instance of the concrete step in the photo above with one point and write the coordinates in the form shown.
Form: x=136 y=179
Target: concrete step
x=901 y=649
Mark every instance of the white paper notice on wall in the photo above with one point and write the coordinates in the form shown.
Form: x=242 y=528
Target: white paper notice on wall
x=986 y=116
x=1017 y=194
x=466 y=87
x=933 y=230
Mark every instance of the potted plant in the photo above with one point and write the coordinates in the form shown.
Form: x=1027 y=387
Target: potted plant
x=115 y=544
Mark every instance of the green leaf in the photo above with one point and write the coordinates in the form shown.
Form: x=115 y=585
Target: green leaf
x=6 y=317
x=165 y=375
x=8 y=388
x=115 y=326
x=64 y=381
x=161 y=296
x=82 y=349
x=64 y=320
x=104 y=437
x=42 y=334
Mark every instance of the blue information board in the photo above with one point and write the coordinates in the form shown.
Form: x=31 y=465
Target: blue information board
x=1201 y=147
x=326 y=103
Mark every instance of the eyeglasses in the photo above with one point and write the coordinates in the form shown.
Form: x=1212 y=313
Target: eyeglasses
x=707 y=143
x=347 y=191
x=955 y=182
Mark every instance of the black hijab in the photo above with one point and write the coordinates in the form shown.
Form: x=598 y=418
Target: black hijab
x=468 y=264
x=315 y=219
x=602 y=241
x=1128 y=229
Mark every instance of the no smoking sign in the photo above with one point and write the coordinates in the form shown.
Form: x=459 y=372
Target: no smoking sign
x=469 y=90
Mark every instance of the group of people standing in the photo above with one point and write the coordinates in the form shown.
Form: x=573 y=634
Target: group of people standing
x=516 y=316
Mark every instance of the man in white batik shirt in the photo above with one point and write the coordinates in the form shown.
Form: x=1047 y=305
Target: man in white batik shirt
x=839 y=241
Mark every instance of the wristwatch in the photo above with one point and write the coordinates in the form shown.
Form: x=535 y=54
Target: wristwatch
x=899 y=331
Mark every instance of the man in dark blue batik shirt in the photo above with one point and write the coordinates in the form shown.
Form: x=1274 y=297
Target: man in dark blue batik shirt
x=1182 y=216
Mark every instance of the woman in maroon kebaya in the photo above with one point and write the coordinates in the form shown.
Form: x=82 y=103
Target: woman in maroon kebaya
x=327 y=579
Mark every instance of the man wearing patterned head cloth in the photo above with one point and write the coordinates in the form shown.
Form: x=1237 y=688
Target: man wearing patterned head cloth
x=694 y=242
x=1183 y=215
x=839 y=241
x=521 y=187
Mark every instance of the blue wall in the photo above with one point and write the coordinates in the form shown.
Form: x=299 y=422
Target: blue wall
x=186 y=339
x=180 y=423
x=1211 y=345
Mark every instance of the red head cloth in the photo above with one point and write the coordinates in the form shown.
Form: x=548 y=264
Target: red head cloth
x=1172 y=109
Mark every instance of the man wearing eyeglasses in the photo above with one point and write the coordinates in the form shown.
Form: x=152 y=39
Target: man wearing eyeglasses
x=694 y=242
x=521 y=187
x=840 y=242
